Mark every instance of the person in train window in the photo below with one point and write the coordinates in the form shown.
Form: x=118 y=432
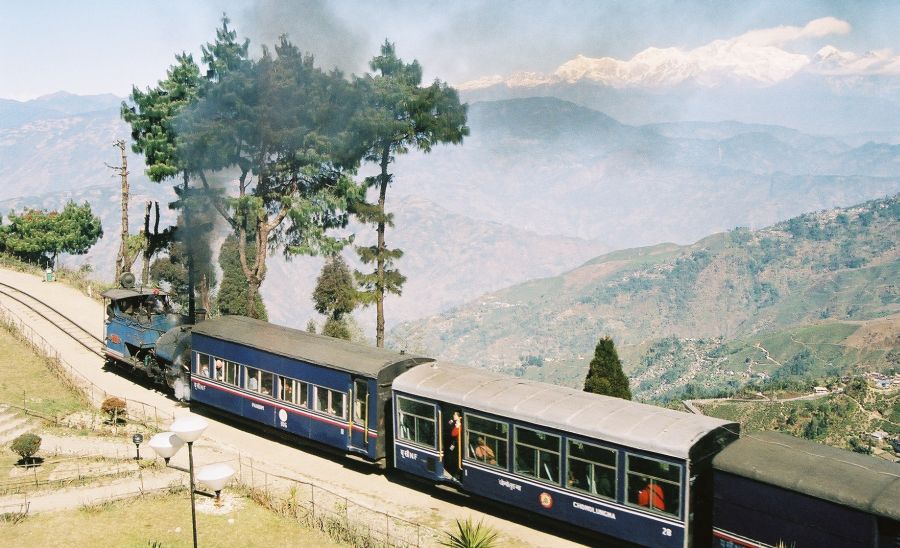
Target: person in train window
x=651 y=495
x=204 y=370
x=220 y=365
x=484 y=453
x=253 y=384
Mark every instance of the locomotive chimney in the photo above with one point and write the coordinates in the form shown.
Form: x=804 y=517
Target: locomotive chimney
x=199 y=315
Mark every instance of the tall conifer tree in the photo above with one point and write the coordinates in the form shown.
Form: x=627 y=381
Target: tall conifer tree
x=399 y=115
x=605 y=375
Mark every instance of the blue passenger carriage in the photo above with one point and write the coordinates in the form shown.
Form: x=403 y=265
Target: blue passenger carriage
x=628 y=470
x=315 y=387
x=772 y=488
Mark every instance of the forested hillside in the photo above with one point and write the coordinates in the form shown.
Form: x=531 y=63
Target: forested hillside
x=815 y=294
x=539 y=186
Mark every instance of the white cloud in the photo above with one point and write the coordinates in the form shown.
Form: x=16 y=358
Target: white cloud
x=757 y=57
x=779 y=36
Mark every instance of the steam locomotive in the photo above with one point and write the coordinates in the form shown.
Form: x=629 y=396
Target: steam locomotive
x=143 y=331
x=625 y=470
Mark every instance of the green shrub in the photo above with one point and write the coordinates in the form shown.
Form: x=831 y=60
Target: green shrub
x=114 y=406
x=26 y=445
x=471 y=535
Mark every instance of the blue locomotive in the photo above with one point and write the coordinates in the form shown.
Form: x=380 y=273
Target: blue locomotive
x=625 y=470
x=143 y=330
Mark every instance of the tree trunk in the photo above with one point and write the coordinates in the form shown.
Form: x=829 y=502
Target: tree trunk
x=145 y=271
x=189 y=249
x=204 y=292
x=381 y=283
x=121 y=260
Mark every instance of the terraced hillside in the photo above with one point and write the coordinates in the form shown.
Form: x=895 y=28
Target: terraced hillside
x=799 y=297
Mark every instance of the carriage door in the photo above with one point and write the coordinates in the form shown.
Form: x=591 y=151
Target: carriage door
x=359 y=430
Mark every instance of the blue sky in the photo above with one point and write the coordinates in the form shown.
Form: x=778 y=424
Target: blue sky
x=106 y=46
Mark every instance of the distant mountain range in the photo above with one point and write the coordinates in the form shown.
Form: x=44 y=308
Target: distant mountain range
x=553 y=167
x=799 y=103
x=730 y=306
x=540 y=186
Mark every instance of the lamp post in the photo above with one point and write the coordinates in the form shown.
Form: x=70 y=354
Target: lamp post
x=189 y=428
x=165 y=444
x=215 y=476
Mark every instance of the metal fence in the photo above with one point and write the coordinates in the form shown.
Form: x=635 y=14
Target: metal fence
x=138 y=411
x=307 y=502
x=334 y=513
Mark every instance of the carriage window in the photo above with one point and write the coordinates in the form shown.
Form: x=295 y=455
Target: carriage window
x=292 y=391
x=417 y=422
x=251 y=379
x=591 y=469
x=486 y=440
x=202 y=365
x=330 y=401
x=654 y=484
x=537 y=454
x=266 y=383
x=227 y=371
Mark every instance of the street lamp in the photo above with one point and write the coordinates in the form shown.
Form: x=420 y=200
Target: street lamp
x=185 y=429
x=189 y=428
x=165 y=444
x=215 y=476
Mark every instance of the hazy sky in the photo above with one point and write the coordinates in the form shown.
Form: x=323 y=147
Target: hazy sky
x=105 y=46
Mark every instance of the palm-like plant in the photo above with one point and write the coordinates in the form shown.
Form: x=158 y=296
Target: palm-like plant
x=471 y=535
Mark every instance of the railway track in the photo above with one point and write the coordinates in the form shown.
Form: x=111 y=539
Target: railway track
x=56 y=318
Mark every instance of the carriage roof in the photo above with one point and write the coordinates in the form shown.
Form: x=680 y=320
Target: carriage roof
x=631 y=424
x=857 y=481
x=308 y=347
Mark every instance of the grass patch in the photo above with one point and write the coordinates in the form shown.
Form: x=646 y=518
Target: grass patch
x=26 y=380
x=154 y=519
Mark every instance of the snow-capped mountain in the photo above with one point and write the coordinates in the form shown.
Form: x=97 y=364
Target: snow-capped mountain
x=757 y=58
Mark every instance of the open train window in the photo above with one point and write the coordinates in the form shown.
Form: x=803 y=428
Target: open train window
x=591 y=469
x=536 y=454
x=654 y=484
x=486 y=440
x=203 y=364
x=226 y=371
x=292 y=391
x=331 y=402
x=416 y=421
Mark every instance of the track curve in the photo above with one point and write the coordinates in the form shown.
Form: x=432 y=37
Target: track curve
x=59 y=320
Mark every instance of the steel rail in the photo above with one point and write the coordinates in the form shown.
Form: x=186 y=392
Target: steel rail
x=55 y=323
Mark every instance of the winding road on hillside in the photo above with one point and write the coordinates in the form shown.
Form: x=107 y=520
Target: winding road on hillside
x=223 y=442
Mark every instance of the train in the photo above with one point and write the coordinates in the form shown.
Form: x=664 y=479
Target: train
x=615 y=468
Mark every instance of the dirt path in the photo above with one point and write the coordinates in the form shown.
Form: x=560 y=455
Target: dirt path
x=76 y=497
x=224 y=443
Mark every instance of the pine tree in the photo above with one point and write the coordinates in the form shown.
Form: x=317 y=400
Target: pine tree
x=335 y=293
x=335 y=296
x=232 y=296
x=279 y=123
x=399 y=115
x=605 y=375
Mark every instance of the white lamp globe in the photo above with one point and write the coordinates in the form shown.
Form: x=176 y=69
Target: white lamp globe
x=215 y=476
x=165 y=444
x=189 y=427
